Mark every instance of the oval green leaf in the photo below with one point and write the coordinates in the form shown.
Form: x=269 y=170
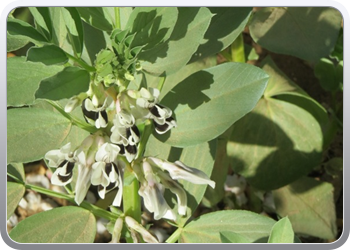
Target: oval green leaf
x=152 y=25
x=15 y=192
x=43 y=20
x=48 y=55
x=172 y=55
x=210 y=101
x=276 y=138
x=65 y=84
x=31 y=132
x=282 y=232
x=21 y=86
x=309 y=205
x=305 y=32
x=207 y=228
x=14 y=42
x=59 y=225
x=16 y=27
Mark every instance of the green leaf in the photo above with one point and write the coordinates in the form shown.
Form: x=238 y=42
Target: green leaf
x=74 y=28
x=152 y=25
x=231 y=237
x=309 y=206
x=224 y=28
x=23 y=79
x=175 y=53
x=103 y=18
x=281 y=87
x=210 y=101
x=282 y=232
x=200 y=156
x=305 y=32
x=68 y=32
x=65 y=84
x=48 y=55
x=15 y=42
x=96 y=17
x=207 y=228
x=31 y=132
x=24 y=30
x=325 y=72
x=94 y=42
x=42 y=20
x=276 y=138
x=59 y=225
x=15 y=192
x=16 y=170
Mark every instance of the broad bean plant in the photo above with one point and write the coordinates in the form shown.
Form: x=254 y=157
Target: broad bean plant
x=155 y=109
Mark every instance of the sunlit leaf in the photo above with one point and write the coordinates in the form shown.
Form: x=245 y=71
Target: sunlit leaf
x=282 y=232
x=207 y=228
x=208 y=102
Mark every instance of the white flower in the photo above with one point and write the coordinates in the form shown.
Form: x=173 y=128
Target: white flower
x=107 y=172
x=64 y=161
x=178 y=170
x=133 y=225
x=95 y=113
x=152 y=193
x=161 y=115
x=85 y=155
x=148 y=98
x=125 y=134
x=237 y=185
x=162 y=118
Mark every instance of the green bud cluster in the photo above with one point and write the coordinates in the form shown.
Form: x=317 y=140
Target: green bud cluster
x=119 y=65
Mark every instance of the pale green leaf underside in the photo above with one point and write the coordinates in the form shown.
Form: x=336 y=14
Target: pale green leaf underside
x=59 y=225
x=23 y=79
x=31 y=132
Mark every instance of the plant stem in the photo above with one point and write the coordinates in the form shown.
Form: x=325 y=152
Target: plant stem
x=175 y=236
x=117 y=17
x=74 y=120
x=131 y=198
x=81 y=63
x=237 y=50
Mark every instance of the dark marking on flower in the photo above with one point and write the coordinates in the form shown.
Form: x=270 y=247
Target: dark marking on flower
x=65 y=178
x=88 y=114
x=132 y=149
x=103 y=113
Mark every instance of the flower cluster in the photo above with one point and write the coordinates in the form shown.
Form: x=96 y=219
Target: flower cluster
x=115 y=115
x=100 y=157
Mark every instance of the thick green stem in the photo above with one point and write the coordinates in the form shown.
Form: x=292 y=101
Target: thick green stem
x=131 y=198
x=81 y=63
x=175 y=236
x=237 y=50
x=117 y=17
